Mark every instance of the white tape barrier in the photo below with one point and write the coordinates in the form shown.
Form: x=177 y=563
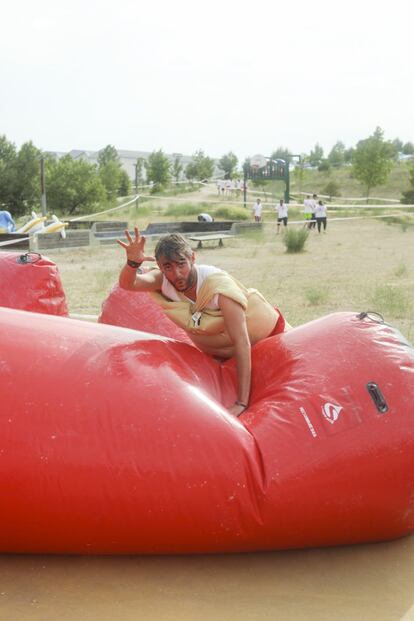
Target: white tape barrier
x=119 y=207
x=353 y=198
x=99 y=213
x=11 y=242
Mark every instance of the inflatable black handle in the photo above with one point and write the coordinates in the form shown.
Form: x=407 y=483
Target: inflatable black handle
x=29 y=257
x=377 y=397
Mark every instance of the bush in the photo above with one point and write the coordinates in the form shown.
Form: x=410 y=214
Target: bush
x=295 y=239
x=232 y=213
x=183 y=209
x=316 y=296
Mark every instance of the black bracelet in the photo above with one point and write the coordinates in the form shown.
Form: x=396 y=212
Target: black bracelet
x=134 y=264
x=244 y=405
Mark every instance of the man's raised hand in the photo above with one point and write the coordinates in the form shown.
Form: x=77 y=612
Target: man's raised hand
x=135 y=247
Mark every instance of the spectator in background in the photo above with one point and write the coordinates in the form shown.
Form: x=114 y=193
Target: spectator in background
x=313 y=204
x=257 y=210
x=307 y=210
x=320 y=215
x=205 y=217
x=282 y=214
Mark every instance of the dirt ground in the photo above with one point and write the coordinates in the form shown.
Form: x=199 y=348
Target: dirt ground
x=343 y=270
x=357 y=583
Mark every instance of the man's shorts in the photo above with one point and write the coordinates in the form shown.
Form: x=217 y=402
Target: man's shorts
x=284 y=220
x=308 y=216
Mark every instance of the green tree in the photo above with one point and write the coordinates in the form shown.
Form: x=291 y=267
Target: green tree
x=332 y=189
x=281 y=153
x=408 y=148
x=124 y=188
x=372 y=160
x=201 y=167
x=408 y=196
x=110 y=171
x=177 y=168
x=28 y=176
x=139 y=171
x=324 y=165
x=158 y=169
x=228 y=164
x=398 y=144
x=107 y=154
x=336 y=155
x=73 y=186
x=348 y=155
x=8 y=157
x=316 y=155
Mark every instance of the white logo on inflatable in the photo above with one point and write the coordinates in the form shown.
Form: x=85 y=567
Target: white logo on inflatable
x=331 y=412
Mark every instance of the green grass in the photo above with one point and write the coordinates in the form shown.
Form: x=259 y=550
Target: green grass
x=184 y=209
x=390 y=300
x=316 y=295
x=401 y=270
x=314 y=181
x=231 y=213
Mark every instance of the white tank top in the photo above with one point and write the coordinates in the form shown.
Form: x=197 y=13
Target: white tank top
x=169 y=291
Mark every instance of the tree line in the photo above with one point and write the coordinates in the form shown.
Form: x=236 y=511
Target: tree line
x=77 y=186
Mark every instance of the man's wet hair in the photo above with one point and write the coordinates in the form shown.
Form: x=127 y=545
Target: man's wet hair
x=172 y=246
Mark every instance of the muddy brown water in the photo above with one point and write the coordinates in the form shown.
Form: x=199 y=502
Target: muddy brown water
x=364 y=582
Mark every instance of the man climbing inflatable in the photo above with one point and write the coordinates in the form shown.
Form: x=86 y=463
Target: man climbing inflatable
x=221 y=316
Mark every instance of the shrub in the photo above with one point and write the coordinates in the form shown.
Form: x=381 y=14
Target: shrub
x=401 y=270
x=403 y=222
x=295 y=239
x=232 y=213
x=183 y=209
x=316 y=296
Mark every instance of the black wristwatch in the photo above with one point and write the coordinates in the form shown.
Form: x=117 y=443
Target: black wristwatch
x=134 y=264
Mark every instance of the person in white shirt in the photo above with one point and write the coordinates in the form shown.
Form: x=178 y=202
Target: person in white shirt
x=221 y=316
x=313 y=203
x=307 y=210
x=257 y=210
x=205 y=217
x=282 y=214
x=320 y=215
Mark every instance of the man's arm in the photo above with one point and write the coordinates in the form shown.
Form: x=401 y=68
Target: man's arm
x=129 y=278
x=235 y=322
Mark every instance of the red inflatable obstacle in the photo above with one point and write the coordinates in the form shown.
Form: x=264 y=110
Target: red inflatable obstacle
x=31 y=282
x=131 y=309
x=114 y=441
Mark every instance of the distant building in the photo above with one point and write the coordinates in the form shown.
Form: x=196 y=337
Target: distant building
x=127 y=158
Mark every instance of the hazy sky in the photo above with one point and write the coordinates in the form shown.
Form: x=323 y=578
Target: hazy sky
x=218 y=75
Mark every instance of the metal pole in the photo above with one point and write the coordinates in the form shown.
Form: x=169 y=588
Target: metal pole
x=287 y=181
x=43 y=186
x=136 y=185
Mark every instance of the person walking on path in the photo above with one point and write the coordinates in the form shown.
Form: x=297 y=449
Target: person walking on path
x=320 y=215
x=282 y=214
x=257 y=210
